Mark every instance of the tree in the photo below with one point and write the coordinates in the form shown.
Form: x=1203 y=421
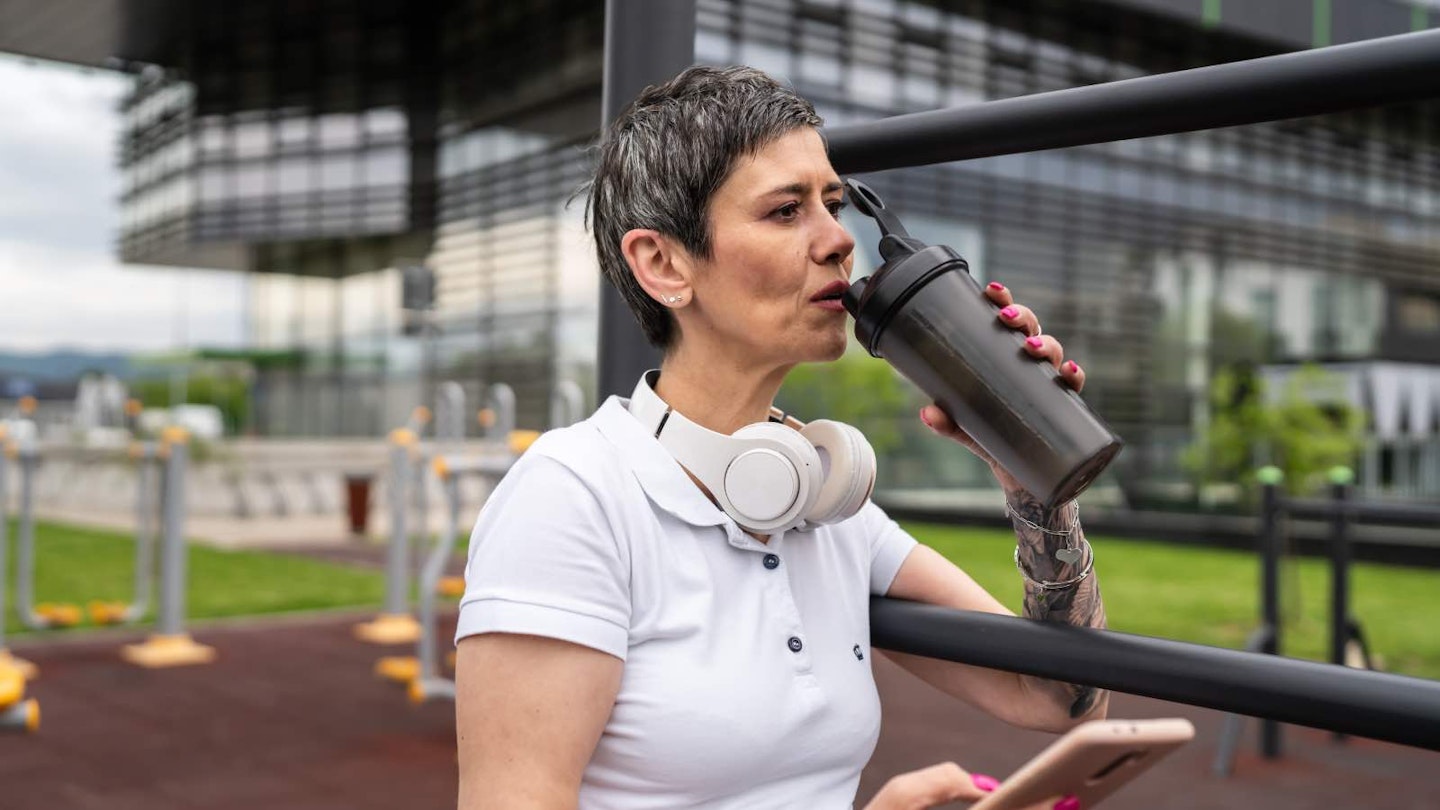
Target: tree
x=856 y=389
x=1302 y=432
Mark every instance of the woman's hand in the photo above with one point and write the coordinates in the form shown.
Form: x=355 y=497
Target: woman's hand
x=931 y=787
x=940 y=784
x=1037 y=345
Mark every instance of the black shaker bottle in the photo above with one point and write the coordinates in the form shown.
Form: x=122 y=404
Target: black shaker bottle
x=924 y=314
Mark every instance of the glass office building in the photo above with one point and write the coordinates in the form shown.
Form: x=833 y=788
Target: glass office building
x=322 y=146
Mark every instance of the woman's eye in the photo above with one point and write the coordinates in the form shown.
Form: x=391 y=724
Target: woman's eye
x=788 y=211
x=836 y=207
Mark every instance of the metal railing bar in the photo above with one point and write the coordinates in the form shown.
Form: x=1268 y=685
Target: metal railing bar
x=1272 y=88
x=1403 y=514
x=1377 y=705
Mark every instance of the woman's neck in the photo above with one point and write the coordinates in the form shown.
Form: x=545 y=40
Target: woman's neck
x=716 y=393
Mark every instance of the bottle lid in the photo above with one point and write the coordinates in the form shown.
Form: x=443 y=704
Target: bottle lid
x=909 y=265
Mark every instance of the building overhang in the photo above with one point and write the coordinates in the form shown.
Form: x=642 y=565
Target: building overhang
x=107 y=34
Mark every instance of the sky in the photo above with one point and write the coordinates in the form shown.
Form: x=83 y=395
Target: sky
x=61 y=283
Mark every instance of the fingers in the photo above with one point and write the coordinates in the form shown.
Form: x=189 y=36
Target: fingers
x=1019 y=316
x=938 y=421
x=929 y=787
x=999 y=294
x=1073 y=375
x=943 y=425
x=1044 y=347
x=1037 y=345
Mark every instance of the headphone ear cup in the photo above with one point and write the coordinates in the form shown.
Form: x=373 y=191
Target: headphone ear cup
x=850 y=471
x=808 y=472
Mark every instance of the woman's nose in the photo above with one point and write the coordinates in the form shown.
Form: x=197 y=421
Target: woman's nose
x=834 y=244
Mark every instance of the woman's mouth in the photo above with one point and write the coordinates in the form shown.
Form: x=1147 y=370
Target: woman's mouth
x=829 y=296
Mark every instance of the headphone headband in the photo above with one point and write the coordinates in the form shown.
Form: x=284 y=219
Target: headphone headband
x=769 y=476
x=764 y=480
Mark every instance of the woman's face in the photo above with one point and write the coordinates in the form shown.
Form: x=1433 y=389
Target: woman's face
x=777 y=247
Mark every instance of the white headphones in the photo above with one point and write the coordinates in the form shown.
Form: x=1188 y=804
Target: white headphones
x=770 y=476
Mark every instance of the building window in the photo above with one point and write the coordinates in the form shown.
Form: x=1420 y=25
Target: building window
x=1418 y=314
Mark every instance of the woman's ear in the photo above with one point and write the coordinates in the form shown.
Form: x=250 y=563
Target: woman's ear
x=658 y=264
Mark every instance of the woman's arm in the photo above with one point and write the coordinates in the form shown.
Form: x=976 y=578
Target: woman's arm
x=1023 y=700
x=528 y=714
x=926 y=576
x=1078 y=604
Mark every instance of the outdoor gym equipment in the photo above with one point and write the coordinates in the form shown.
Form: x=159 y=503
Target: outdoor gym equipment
x=1310 y=82
x=46 y=614
x=16 y=711
x=428 y=682
x=567 y=404
x=170 y=645
x=409 y=469
x=395 y=625
x=147 y=471
x=449 y=435
x=497 y=419
x=1348 y=646
x=449 y=414
x=566 y=407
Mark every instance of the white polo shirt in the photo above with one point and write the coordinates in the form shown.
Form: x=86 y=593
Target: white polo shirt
x=747 y=680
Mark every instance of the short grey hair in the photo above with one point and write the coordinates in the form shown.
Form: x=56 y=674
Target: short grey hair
x=666 y=155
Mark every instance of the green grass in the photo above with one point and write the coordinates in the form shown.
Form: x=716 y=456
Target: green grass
x=1211 y=596
x=1203 y=595
x=76 y=565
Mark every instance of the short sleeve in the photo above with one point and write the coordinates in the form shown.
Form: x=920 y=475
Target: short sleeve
x=889 y=546
x=545 y=561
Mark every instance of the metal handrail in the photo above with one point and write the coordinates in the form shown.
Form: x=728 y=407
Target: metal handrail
x=1392 y=514
x=1370 y=704
x=1324 y=80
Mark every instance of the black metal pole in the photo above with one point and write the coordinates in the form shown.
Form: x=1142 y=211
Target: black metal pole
x=646 y=42
x=1359 y=702
x=1272 y=547
x=1339 y=575
x=1340 y=627
x=1323 y=80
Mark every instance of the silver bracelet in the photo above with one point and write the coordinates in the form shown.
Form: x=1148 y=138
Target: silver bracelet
x=1074 y=520
x=1045 y=585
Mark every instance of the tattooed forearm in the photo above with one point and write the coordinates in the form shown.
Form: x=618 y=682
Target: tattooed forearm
x=1079 y=604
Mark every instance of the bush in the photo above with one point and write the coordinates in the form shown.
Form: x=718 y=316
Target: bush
x=856 y=389
x=1302 y=432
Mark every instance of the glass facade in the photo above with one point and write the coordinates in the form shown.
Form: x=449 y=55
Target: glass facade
x=1156 y=260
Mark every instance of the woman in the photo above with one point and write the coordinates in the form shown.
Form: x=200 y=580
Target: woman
x=624 y=641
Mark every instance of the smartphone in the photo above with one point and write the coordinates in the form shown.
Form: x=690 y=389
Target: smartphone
x=1090 y=762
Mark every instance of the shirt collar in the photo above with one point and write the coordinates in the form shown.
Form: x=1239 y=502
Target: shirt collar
x=659 y=474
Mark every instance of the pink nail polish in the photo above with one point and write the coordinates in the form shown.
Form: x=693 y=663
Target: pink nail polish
x=1067 y=803
x=1071 y=367
x=1010 y=312
x=1034 y=342
x=985 y=783
x=924 y=417
x=995 y=285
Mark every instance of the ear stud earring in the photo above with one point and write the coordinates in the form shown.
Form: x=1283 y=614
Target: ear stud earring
x=674 y=299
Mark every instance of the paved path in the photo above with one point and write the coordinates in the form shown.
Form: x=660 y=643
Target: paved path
x=291 y=717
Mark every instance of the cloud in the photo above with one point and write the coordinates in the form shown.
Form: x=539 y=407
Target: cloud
x=60 y=282
x=58 y=178
x=84 y=300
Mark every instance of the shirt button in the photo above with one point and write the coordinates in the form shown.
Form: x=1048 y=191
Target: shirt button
x=796 y=644
x=772 y=562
